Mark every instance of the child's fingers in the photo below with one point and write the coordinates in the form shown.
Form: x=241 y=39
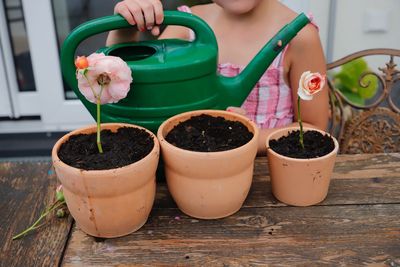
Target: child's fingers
x=155 y=31
x=136 y=11
x=158 y=11
x=148 y=13
x=143 y=13
x=123 y=10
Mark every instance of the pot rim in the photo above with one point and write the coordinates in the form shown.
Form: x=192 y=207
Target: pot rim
x=54 y=152
x=291 y=128
x=214 y=113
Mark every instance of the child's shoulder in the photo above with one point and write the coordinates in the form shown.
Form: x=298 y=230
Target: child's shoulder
x=203 y=11
x=286 y=15
x=203 y=8
x=307 y=43
x=308 y=34
x=306 y=38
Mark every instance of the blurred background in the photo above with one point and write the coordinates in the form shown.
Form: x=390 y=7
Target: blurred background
x=36 y=107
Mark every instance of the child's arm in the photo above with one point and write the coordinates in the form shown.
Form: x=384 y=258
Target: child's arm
x=306 y=54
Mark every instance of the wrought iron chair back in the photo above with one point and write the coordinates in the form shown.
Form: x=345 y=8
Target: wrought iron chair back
x=373 y=127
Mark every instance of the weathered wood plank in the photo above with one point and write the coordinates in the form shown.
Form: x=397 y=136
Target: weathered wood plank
x=363 y=166
x=357 y=179
x=351 y=235
x=26 y=188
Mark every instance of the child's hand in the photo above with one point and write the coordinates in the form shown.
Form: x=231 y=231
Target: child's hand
x=146 y=14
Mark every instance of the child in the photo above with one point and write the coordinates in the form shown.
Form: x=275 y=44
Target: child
x=242 y=28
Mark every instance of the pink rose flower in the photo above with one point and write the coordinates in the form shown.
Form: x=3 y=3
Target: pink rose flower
x=107 y=72
x=310 y=84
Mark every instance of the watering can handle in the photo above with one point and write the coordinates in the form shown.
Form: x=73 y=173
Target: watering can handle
x=203 y=32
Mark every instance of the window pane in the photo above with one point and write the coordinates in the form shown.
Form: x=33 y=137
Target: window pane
x=68 y=14
x=20 y=45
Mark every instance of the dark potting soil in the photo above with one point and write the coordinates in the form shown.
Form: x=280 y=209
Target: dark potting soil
x=120 y=148
x=205 y=133
x=315 y=145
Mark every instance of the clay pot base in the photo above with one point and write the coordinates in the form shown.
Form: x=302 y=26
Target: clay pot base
x=205 y=133
x=103 y=237
x=220 y=216
x=120 y=148
x=315 y=145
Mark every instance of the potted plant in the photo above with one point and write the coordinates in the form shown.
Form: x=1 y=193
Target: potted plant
x=209 y=158
x=301 y=160
x=107 y=171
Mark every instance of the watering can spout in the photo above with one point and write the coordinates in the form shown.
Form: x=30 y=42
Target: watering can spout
x=236 y=89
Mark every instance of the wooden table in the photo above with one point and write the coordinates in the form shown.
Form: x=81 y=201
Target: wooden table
x=358 y=224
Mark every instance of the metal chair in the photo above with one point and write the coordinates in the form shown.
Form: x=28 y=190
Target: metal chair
x=372 y=127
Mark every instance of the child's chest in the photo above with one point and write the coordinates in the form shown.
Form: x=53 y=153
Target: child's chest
x=239 y=47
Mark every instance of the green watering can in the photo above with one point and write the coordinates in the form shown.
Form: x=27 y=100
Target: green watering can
x=172 y=76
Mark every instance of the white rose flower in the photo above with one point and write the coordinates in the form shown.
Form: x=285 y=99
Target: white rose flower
x=310 y=84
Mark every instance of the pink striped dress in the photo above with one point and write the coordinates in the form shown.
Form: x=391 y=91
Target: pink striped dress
x=270 y=103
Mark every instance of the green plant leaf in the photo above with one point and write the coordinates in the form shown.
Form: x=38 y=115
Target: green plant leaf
x=347 y=81
x=350 y=96
x=369 y=91
x=354 y=98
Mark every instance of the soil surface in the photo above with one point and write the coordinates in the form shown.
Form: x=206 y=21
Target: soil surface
x=315 y=145
x=120 y=148
x=205 y=133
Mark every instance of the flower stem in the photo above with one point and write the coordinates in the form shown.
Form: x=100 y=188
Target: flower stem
x=35 y=224
x=89 y=83
x=300 y=122
x=98 y=103
x=98 y=126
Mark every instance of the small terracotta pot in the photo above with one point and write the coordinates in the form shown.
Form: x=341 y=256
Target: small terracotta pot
x=109 y=203
x=300 y=182
x=208 y=185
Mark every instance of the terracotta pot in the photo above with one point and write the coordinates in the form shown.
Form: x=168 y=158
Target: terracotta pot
x=109 y=203
x=208 y=185
x=300 y=182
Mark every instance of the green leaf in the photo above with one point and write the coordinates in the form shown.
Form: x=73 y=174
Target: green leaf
x=369 y=91
x=347 y=81
x=354 y=98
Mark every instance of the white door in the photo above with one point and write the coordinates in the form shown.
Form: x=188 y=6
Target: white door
x=5 y=100
x=15 y=63
x=31 y=84
x=57 y=112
